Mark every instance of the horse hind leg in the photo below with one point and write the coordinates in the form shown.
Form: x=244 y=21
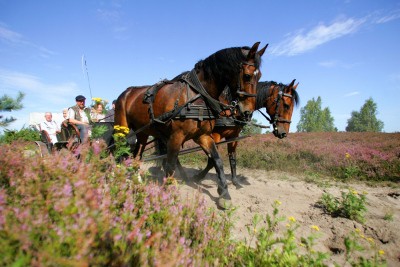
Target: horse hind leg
x=161 y=148
x=232 y=162
x=174 y=143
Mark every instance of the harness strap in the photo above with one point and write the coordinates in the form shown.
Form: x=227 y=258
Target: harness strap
x=193 y=81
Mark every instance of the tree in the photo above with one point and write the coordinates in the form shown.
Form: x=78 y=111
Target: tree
x=365 y=120
x=314 y=119
x=251 y=129
x=9 y=104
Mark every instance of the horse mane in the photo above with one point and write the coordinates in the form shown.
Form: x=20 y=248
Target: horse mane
x=178 y=77
x=263 y=90
x=224 y=65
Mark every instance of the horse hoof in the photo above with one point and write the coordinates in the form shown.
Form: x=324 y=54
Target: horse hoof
x=236 y=183
x=238 y=186
x=225 y=204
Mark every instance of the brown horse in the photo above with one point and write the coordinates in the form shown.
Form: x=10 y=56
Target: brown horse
x=165 y=110
x=277 y=99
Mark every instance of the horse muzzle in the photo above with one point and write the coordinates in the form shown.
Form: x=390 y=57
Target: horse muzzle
x=247 y=115
x=280 y=133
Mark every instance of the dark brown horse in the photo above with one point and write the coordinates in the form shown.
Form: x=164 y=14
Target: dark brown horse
x=165 y=110
x=277 y=99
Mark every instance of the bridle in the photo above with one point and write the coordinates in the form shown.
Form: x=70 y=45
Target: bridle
x=278 y=101
x=239 y=92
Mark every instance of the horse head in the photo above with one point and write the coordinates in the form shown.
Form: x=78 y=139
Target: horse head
x=236 y=68
x=279 y=103
x=246 y=89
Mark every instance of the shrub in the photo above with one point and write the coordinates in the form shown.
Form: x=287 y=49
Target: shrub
x=351 y=206
x=25 y=134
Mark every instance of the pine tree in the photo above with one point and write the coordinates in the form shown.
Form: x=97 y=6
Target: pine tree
x=365 y=120
x=9 y=104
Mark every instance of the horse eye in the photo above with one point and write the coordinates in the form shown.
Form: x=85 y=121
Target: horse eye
x=247 y=77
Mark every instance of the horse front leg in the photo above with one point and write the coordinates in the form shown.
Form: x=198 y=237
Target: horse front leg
x=209 y=147
x=210 y=163
x=200 y=176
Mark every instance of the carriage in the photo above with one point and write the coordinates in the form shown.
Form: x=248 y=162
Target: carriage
x=68 y=138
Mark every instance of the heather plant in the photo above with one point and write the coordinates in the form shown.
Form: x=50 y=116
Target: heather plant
x=67 y=210
x=346 y=156
x=351 y=206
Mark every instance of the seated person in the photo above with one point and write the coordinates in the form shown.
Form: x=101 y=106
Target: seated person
x=80 y=116
x=65 y=113
x=111 y=112
x=50 y=126
x=97 y=114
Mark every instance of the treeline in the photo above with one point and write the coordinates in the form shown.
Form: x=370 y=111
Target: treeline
x=315 y=119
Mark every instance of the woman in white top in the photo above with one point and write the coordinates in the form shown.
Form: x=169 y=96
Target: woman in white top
x=97 y=114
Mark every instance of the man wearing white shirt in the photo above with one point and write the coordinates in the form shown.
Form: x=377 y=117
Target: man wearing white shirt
x=50 y=126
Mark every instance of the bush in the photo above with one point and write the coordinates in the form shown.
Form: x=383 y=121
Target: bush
x=351 y=206
x=25 y=134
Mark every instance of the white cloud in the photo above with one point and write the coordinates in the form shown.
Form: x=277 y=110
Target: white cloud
x=303 y=42
x=328 y=64
x=53 y=93
x=352 y=94
x=12 y=37
x=392 y=16
x=108 y=15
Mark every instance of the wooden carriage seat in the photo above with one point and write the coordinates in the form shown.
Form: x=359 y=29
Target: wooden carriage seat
x=69 y=131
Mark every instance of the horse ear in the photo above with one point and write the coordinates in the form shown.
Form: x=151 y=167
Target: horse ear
x=295 y=87
x=261 y=52
x=253 y=51
x=291 y=84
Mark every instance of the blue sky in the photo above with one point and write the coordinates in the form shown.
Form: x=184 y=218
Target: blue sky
x=343 y=51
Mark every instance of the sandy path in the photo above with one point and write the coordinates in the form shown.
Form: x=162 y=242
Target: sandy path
x=299 y=199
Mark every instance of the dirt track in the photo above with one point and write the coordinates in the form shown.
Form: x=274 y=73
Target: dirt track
x=299 y=199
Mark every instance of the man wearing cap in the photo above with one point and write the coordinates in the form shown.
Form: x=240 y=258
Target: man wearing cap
x=79 y=115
